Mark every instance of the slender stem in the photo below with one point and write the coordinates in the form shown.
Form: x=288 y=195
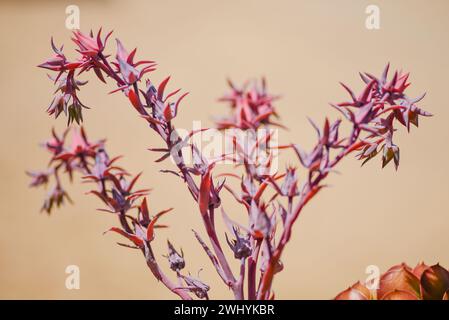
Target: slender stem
x=85 y=164
x=160 y=275
x=109 y=71
x=123 y=222
x=239 y=284
x=252 y=272
x=219 y=252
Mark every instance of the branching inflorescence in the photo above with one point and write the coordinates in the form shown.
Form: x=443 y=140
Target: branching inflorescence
x=373 y=116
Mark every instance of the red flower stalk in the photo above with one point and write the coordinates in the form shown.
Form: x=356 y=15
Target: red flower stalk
x=272 y=199
x=113 y=188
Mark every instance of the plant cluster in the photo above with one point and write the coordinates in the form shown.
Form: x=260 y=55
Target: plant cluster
x=272 y=199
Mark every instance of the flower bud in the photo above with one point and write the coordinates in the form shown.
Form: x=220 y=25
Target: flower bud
x=289 y=186
x=175 y=260
x=240 y=246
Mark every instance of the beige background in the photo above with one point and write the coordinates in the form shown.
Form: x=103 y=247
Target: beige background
x=304 y=48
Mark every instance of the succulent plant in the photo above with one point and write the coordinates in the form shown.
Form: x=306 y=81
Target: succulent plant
x=272 y=199
x=401 y=282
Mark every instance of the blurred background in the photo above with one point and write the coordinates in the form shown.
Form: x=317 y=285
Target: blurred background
x=370 y=217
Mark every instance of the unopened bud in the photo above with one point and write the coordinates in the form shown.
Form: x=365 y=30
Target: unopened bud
x=175 y=260
x=240 y=246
